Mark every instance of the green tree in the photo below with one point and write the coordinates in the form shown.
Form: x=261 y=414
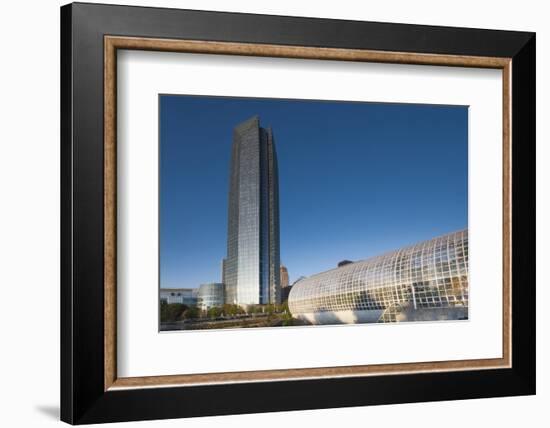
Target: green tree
x=287 y=319
x=254 y=309
x=283 y=307
x=170 y=312
x=191 y=313
x=232 y=310
x=214 y=312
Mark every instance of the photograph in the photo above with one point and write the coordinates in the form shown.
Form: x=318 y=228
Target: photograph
x=265 y=211
x=271 y=210
x=293 y=212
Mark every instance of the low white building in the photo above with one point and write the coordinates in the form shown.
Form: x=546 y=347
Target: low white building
x=185 y=296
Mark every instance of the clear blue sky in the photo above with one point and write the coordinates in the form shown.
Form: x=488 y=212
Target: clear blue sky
x=356 y=179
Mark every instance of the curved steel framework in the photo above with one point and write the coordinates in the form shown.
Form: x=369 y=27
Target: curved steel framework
x=430 y=274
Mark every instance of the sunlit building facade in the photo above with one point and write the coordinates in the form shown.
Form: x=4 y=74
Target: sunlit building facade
x=210 y=295
x=284 y=277
x=423 y=282
x=252 y=266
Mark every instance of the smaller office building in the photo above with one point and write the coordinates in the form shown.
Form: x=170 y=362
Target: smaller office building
x=211 y=295
x=284 y=277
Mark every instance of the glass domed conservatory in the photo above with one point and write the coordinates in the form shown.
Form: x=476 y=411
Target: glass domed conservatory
x=424 y=282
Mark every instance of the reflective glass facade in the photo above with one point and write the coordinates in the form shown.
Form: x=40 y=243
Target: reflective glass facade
x=429 y=275
x=210 y=295
x=252 y=266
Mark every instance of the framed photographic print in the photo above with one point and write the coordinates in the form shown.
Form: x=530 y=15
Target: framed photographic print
x=265 y=213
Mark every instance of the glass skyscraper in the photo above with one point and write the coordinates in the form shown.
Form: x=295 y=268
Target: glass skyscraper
x=252 y=266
